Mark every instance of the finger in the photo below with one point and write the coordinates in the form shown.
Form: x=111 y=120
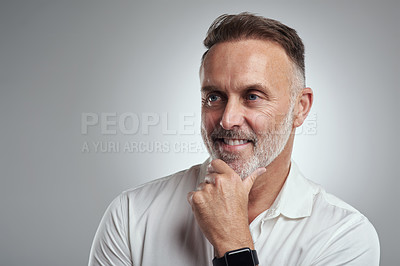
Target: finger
x=249 y=181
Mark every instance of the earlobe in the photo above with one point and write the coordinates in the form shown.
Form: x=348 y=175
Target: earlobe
x=303 y=106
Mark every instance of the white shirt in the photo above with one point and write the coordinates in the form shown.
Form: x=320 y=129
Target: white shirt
x=154 y=225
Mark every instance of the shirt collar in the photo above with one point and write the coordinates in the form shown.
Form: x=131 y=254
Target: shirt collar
x=296 y=197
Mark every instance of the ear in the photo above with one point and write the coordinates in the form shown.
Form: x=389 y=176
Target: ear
x=303 y=105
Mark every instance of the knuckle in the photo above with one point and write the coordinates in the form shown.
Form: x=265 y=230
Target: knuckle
x=197 y=198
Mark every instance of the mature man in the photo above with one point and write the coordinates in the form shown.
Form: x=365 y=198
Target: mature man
x=248 y=204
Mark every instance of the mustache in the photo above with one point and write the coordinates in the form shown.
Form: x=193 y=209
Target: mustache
x=220 y=133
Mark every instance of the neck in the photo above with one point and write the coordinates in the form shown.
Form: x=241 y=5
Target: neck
x=267 y=186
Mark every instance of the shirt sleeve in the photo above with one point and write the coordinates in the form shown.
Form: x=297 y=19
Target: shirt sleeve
x=354 y=243
x=110 y=245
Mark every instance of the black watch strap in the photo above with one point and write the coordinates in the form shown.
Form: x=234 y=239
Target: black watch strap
x=238 y=257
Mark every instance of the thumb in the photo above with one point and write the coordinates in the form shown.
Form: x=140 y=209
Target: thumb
x=249 y=181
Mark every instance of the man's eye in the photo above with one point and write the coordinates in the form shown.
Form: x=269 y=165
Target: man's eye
x=252 y=97
x=213 y=98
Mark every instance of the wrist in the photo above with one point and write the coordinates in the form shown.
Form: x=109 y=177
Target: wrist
x=225 y=246
x=238 y=257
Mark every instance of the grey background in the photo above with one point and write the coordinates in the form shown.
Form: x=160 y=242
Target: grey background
x=61 y=59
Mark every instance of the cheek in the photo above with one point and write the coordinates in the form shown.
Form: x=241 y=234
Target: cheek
x=210 y=120
x=261 y=125
x=268 y=118
x=262 y=121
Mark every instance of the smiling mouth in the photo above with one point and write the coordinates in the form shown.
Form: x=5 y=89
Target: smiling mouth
x=234 y=142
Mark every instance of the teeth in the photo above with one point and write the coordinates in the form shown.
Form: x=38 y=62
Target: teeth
x=234 y=142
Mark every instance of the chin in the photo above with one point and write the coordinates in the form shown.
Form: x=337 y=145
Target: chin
x=244 y=167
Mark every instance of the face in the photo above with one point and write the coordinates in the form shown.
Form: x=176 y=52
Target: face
x=246 y=107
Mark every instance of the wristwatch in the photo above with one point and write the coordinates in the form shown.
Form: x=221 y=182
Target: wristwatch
x=238 y=257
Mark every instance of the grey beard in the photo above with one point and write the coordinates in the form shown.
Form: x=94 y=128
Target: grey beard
x=265 y=150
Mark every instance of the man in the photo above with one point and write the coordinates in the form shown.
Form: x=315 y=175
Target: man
x=248 y=204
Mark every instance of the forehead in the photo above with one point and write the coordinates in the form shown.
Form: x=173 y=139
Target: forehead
x=239 y=63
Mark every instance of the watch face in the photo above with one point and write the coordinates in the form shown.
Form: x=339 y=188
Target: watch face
x=240 y=258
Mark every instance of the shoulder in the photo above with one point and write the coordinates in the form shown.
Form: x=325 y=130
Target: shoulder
x=318 y=202
x=334 y=231
x=344 y=230
x=330 y=210
x=330 y=207
x=161 y=185
x=158 y=192
x=343 y=215
x=112 y=241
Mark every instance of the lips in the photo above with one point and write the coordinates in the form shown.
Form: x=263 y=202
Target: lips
x=232 y=140
x=235 y=142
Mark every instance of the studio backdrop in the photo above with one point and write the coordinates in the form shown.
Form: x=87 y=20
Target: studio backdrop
x=97 y=97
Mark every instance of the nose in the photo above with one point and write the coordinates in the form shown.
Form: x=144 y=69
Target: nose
x=233 y=115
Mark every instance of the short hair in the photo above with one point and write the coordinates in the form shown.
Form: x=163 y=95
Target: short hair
x=249 y=26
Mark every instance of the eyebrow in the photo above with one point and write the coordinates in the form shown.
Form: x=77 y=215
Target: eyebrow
x=255 y=86
x=259 y=87
x=209 y=88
